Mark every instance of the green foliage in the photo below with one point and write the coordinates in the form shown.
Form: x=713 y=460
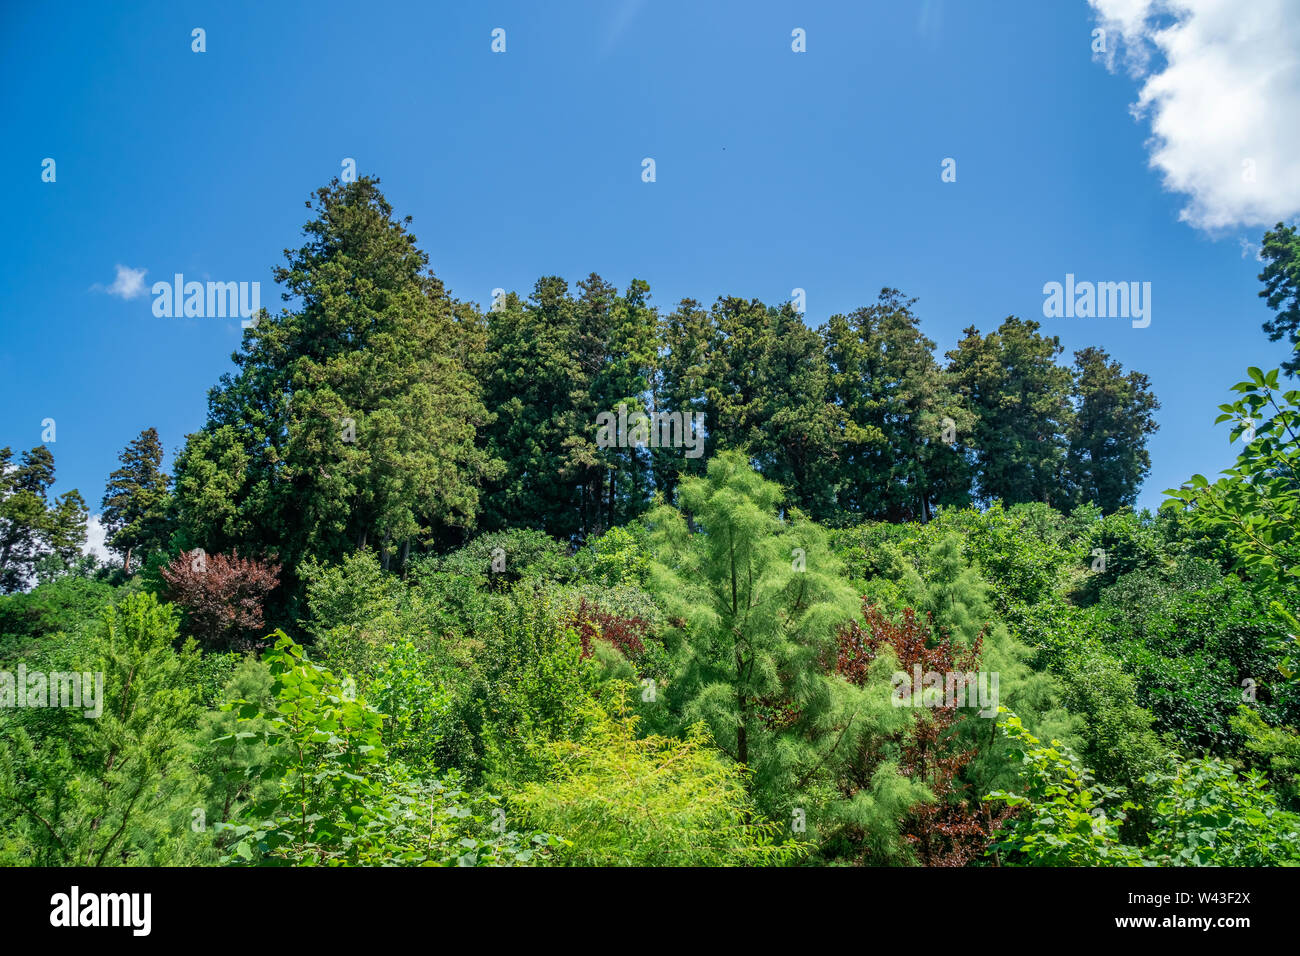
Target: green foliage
x=1280 y=251
x=505 y=558
x=767 y=391
x=939 y=582
x=1206 y=815
x=353 y=593
x=234 y=768
x=1193 y=652
x=330 y=747
x=114 y=789
x=137 y=500
x=351 y=422
x=759 y=602
x=338 y=800
x=619 y=557
x=1020 y=400
x=31 y=621
x=550 y=365
x=418 y=706
x=1118 y=544
x=896 y=463
x=1275 y=750
x=1117 y=733
x=532 y=688
x=32 y=527
x=1023 y=566
x=1113 y=417
x=1061 y=815
x=1256 y=505
x=623 y=800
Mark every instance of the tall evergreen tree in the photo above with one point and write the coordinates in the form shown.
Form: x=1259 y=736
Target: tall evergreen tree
x=625 y=327
x=1281 y=278
x=535 y=387
x=351 y=421
x=136 y=501
x=1020 y=399
x=550 y=367
x=802 y=431
x=66 y=527
x=761 y=601
x=1112 y=420
x=32 y=527
x=767 y=388
x=680 y=385
x=733 y=383
x=899 y=459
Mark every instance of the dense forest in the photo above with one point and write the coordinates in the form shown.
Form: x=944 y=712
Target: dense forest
x=573 y=580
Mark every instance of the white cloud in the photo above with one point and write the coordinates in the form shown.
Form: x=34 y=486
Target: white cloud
x=96 y=540
x=1221 y=87
x=129 y=283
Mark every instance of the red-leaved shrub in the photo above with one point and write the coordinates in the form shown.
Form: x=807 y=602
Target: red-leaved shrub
x=625 y=633
x=949 y=831
x=222 y=597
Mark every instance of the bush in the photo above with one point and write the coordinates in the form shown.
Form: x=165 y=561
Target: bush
x=1206 y=815
x=116 y=789
x=223 y=597
x=620 y=800
x=339 y=801
x=1061 y=816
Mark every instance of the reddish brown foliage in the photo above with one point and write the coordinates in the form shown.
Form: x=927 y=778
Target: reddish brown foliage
x=947 y=832
x=222 y=596
x=625 y=633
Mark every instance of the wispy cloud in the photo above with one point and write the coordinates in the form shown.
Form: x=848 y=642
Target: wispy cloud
x=129 y=283
x=618 y=25
x=1221 y=88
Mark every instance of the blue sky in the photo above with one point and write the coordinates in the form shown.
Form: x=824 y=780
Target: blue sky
x=775 y=170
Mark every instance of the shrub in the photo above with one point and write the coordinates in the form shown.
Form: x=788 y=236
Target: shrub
x=222 y=596
x=339 y=800
x=117 y=789
x=1206 y=815
x=1061 y=816
x=620 y=800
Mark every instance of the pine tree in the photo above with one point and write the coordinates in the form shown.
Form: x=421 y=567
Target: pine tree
x=901 y=456
x=115 y=789
x=1108 y=433
x=136 y=501
x=352 y=421
x=760 y=601
x=32 y=528
x=1021 y=402
x=1281 y=277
